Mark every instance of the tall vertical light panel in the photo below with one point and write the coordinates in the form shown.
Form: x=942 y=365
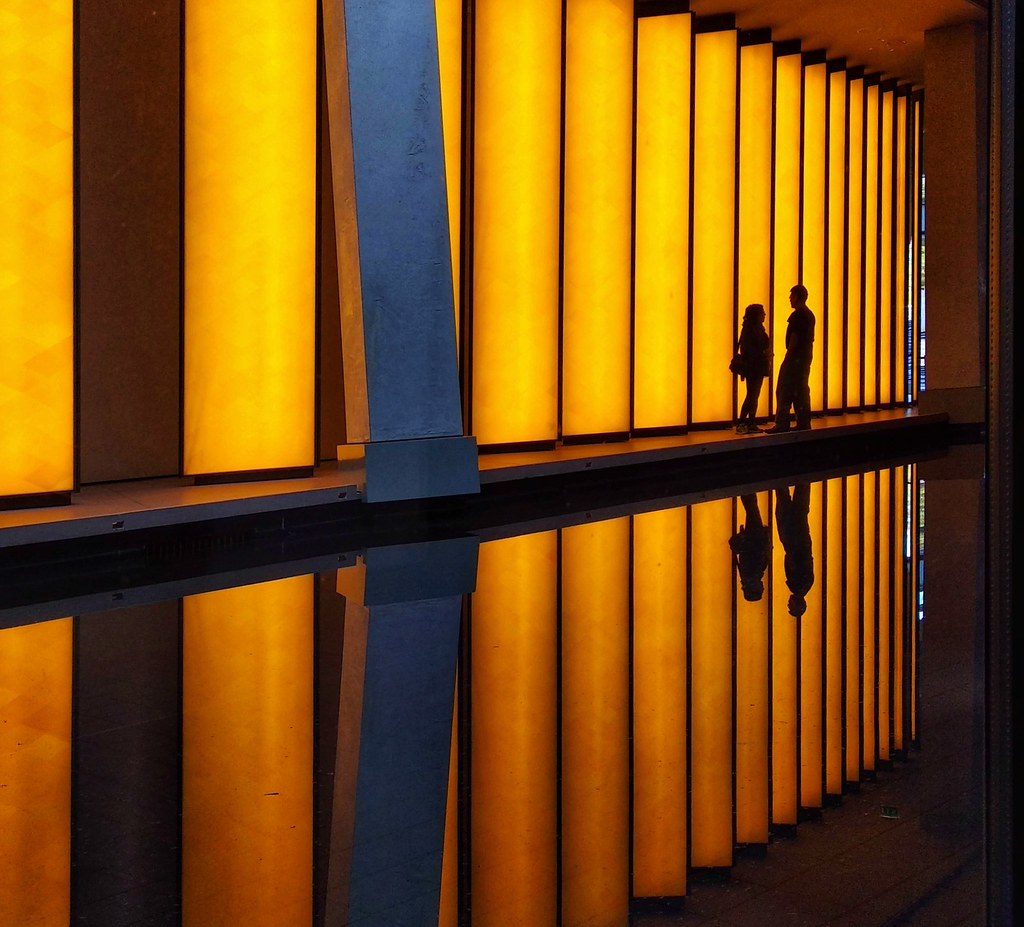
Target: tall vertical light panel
x=754 y=210
x=832 y=575
x=812 y=625
x=854 y=337
x=785 y=656
x=915 y=244
x=516 y=197
x=885 y=252
x=714 y=198
x=902 y=296
x=813 y=227
x=250 y=235
x=661 y=315
x=449 y=55
x=869 y=618
x=786 y=255
x=872 y=108
x=598 y=216
x=836 y=231
x=854 y=597
x=36 y=247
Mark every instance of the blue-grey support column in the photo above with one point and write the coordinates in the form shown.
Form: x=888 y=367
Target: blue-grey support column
x=394 y=260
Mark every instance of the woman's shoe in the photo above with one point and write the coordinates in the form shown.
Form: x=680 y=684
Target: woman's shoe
x=742 y=429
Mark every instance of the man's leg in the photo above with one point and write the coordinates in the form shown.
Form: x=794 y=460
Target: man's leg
x=802 y=401
x=783 y=399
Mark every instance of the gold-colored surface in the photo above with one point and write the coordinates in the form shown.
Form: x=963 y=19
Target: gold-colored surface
x=784 y=695
x=449 y=54
x=448 y=906
x=812 y=654
x=902 y=252
x=854 y=600
x=855 y=254
x=836 y=269
x=884 y=704
x=832 y=574
x=871 y=227
x=869 y=631
x=814 y=229
x=885 y=254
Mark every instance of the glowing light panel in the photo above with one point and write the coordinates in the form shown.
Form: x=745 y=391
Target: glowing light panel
x=813 y=228
x=871 y=210
x=855 y=253
x=902 y=295
x=449 y=53
x=837 y=349
x=785 y=718
x=885 y=254
x=811 y=669
x=834 y=644
x=854 y=598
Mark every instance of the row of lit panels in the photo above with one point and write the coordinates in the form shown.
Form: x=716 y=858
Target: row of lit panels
x=609 y=243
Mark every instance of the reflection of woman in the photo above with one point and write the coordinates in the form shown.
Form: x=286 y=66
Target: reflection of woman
x=755 y=362
x=751 y=546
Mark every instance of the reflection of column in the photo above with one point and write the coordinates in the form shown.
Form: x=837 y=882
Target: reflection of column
x=660 y=565
x=869 y=613
x=884 y=623
x=595 y=723
x=899 y=614
x=785 y=654
x=35 y=770
x=832 y=576
x=852 y=625
x=247 y=755
x=811 y=668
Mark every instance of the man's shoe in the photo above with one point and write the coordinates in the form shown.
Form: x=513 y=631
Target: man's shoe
x=775 y=430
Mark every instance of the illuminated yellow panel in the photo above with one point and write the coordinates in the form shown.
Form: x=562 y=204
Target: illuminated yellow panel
x=36 y=247
x=785 y=642
x=595 y=723
x=752 y=687
x=837 y=349
x=854 y=598
x=250 y=234
x=714 y=195
x=915 y=244
x=871 y=247
x=884 y=612
x=35 y=774
x=514 y=773
x=834 y=645
x=814 y=228
x=449 y=54
x=247 y=705
x=662 y=220
x=598 y=216
x=902 y=252
x=855 y=253
x=517 y=152
x=914 y=597
x=755 y=197
x=885 y=254
x=448 y=907
x=869 y=699
x=788 y=76
x=659 y=704
x=811 y=669
x=711 y=732
x=899 y=612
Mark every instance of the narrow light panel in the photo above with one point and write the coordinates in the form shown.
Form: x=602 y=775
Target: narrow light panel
x=812 y=656
x=871 y=225
x=884 y=623
x=814 y=228
x=449 y=53
x=854 y=623
x=836 y=303
x=834 y=644
x=869 y=631
x=902 y=295
x=854 y=339
x=885 y=253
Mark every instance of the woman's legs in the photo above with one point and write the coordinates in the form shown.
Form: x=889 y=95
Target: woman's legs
x=748 y=411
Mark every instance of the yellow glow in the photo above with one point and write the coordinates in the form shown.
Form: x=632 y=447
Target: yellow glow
x=517 y=143
x=36 y=247
x=814 y=228
x=714 y=196
x=659 y=703
x=834 y=638
x=854 y=593
x=869 y=697
x=855 y=255
x=871 y=248
x=449 y=55
x=902 y=251
x=448 y=907
x=915 y=243
x=914 y=592
x=514 y=773
x=885 y=360
x=899 y=614
x=595 y=723
x=752 y=692
x=598 y=216
x=755 y=194
x=811 y=656
x=35 y=772
x=836 y=235
x=247 y=705
x=787 y=197
x=884 y=612
x=711 y=716
x=662 y=219
x=250 y=234
x=783 y=694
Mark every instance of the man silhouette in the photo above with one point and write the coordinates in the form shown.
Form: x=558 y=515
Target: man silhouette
x=793 y=389
x=751 y=545
x=795 y=533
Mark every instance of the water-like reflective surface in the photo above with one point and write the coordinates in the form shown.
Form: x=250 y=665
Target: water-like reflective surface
x=584 y=725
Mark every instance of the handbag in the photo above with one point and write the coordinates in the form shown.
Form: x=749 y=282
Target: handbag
x=738 y=364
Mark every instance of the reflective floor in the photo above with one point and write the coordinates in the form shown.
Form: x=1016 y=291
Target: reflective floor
x=759 y=709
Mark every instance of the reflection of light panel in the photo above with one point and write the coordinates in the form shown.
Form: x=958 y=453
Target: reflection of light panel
x=662 y=219
x=35 y=771
x=811 y=657
x=598 y=216
x=449 y=53
x=871 y=106
x=752 y=705
x=915 y=244
x=36 y=248
x=836 y=236
x=855 y=253
x=783 y=696
x=250 y=234
x=247 y=704
x=914 y=593
x=852 y=654
x=659 y=703
x=788 y=75
x=517 y=145
x=448 y=907
x=514 y=773
x=885 y=255
x=902 y=251
x=814 y=228
x=884 y=622
x=899 y=612
x=711 y=709
x=755 y=194
x=595 y=723
x=834 y=646
x=869 y=592
x=714 y=194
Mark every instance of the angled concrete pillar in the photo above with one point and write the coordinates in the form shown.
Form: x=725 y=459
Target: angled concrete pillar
x=402 y=401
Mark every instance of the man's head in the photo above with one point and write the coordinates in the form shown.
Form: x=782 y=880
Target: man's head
x=797 y=605
x=798 y=296
x=753 y=589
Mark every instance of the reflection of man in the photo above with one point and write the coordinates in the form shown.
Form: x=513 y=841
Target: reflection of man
x=794 y=532
x=750 y=546
x=793 y=388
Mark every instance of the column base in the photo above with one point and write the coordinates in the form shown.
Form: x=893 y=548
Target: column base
x=423 y=468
